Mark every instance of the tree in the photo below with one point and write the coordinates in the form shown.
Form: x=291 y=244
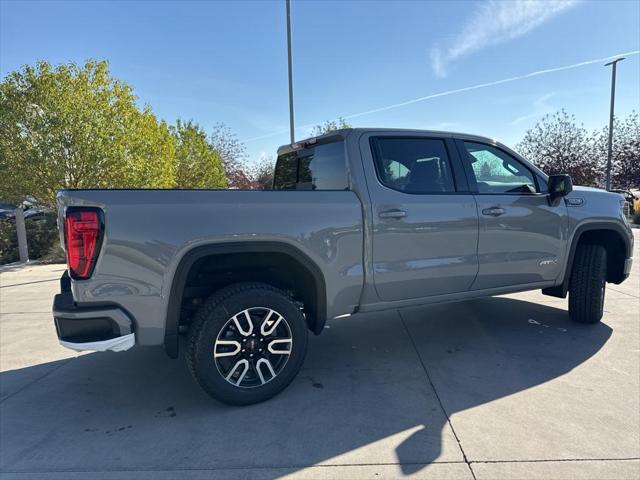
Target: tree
x=558 y=145
x=486 y=171
x=197 y=164
x=262 y=173
x=626 y=172
x=329 y=126
x=625 y=152
x=233 y=154
x=77 y=127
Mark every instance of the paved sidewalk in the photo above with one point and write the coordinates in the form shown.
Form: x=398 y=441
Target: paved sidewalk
x=505 y=387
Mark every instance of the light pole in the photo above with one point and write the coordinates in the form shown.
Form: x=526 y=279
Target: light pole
x=288 y=2
x=613 y=64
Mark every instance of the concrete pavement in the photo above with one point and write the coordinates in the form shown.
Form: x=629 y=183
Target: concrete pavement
x=505 y=387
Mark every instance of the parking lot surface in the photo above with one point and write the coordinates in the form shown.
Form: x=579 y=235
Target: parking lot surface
x=504 y=387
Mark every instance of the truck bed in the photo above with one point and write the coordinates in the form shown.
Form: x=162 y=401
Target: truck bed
x=147 y=232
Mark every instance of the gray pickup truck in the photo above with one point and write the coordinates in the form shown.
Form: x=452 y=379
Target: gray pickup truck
x=359 y=220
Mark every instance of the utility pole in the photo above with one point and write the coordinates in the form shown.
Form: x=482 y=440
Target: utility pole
x=291 y=128
x=613 y=64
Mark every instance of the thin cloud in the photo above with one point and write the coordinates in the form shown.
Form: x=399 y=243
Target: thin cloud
x=495 y=22
x=490 y=84
x=540 y=107
x=460 y=90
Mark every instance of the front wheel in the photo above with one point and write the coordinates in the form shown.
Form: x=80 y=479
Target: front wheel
x=247 y=343
x=587 y=284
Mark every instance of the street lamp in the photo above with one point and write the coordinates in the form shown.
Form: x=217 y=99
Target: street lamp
x=613 y=64
x=290 y=72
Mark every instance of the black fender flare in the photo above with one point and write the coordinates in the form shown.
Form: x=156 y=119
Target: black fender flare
x=319 y=313
x=561 y=289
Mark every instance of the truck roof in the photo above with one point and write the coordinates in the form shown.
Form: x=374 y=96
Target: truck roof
x=344 y=132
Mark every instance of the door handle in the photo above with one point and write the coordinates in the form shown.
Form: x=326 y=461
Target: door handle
x=493 y=211
x=393 y=214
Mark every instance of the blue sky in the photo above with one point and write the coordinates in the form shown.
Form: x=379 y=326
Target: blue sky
x=226 y=61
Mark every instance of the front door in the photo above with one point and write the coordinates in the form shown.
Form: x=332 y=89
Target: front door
x=522 y=238
x=424 y=220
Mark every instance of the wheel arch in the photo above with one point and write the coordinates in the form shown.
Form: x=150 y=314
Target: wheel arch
x=315 y=295
x=608 y=234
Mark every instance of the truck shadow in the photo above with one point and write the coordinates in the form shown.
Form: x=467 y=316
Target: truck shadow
x=365 y=396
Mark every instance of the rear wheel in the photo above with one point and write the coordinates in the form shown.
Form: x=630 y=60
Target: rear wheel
x=247 y=343
x=587 y=284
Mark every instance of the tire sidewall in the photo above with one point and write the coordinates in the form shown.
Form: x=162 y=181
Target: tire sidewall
x=587 y=287
x=602 y=288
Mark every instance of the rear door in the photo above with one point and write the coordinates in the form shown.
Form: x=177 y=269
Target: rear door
x=424 y=219
x=522 y=238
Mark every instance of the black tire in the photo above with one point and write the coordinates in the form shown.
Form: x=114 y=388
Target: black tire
x=215 y=318
x=587 y=284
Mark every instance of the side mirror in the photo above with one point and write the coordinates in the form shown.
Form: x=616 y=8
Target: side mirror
x=559 y=186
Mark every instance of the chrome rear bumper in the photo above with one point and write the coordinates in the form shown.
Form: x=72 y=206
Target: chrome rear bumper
x=118 y=344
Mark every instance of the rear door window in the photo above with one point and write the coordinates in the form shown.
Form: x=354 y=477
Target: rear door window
x=413 y=165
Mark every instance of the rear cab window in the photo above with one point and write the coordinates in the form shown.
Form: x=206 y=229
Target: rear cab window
x=317 y=167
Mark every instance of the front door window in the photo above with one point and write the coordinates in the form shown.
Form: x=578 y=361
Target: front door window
x=497 y=172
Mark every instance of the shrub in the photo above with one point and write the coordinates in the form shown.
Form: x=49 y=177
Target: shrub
x=54 y=255
x=42 y=237
x=8 y=241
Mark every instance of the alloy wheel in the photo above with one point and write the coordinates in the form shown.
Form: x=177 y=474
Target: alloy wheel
x=253 y=347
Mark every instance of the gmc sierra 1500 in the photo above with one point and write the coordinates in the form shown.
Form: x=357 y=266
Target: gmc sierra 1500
x=358 y=220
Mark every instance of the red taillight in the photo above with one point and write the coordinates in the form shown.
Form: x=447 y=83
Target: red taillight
x=83 y=236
